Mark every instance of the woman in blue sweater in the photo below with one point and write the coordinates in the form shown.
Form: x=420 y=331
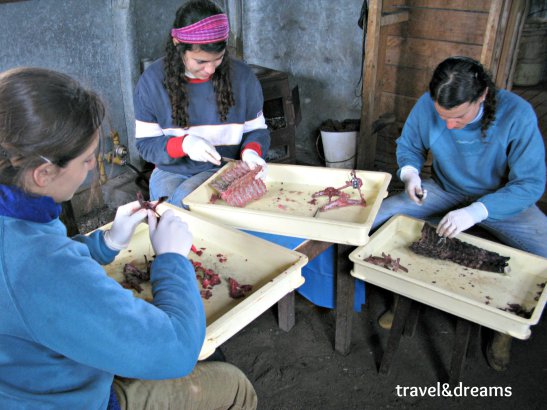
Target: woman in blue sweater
x=66 y=328
x=488 y=166
x=196 y=105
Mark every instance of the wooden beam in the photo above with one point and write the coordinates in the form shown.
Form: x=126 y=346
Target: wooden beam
x=394 y=18
x=345 y=288
x=510 y=41
x=366 y=145
x=490 y=35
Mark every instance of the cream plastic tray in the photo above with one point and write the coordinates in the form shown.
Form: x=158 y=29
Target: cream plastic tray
x=273 y=271
x=475 y=295
x=286 y=208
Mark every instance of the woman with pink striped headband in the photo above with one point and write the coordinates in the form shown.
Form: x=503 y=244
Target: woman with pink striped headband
x=196 y=105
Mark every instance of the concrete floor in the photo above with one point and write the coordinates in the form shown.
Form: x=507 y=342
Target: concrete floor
x=300 y=369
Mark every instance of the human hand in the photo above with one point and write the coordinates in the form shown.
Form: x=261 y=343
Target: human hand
x=461 y=219
x=125 y=222
x=170 y=234
x=199 y=149
x=253 y=160
x=413 y=185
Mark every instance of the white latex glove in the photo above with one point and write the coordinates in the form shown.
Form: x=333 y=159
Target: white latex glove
x=253 y=160
x=461 y=219
x=125 y=222
x=170 y=234
x=199 y=149
x=413 y=184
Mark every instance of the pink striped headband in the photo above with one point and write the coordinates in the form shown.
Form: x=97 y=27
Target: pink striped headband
x=209 y=30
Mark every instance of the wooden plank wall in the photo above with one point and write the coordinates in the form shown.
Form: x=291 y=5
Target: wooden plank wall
x=435 y=30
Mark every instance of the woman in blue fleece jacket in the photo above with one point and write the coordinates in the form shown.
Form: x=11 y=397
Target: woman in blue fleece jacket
x=488 y=166
x=66 y=328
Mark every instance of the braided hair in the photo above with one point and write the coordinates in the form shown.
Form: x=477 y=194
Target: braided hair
x=459 y=80
x=175 y=80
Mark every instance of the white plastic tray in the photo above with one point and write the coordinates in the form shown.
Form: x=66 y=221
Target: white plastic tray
x=472 y=294
x=286 y=208
x=272 y=270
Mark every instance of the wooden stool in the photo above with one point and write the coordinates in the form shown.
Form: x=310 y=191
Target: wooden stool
x=405 y=320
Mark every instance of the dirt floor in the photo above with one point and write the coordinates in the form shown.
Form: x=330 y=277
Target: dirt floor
x=299 y=369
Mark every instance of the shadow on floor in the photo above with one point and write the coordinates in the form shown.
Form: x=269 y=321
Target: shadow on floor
x=300 y=369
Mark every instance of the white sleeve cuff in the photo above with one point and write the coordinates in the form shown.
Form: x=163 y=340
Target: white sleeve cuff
x=478 y=211
x=111 y=244
x=406 y=170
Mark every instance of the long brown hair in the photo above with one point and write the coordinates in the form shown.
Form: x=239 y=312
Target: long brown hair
x=175 y=80
x=44 y=114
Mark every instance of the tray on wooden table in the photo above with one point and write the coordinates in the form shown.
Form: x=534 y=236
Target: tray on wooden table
x=273 y=272
x=289 y=209
x=489 y=299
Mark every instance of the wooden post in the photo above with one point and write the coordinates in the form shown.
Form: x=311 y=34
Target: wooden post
x=344 y=299
x=366 y=146
x=490 y=45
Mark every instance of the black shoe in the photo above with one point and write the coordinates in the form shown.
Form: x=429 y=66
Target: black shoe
x=498 y=352
x=386 y=319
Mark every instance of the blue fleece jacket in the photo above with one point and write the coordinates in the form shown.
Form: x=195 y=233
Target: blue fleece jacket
x=159 y=140
x=66 y=328
x=505 y=171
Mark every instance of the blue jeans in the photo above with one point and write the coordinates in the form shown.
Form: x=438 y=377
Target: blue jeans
x=175 y=186
x=526 y=231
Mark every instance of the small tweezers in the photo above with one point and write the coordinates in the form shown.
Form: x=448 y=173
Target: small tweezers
x=441 y=240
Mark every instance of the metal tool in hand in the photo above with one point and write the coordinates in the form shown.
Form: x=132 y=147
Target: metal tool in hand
x=226 y=159
x=441 y=241
x=422 y=196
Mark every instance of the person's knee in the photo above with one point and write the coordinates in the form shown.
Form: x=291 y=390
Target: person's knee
x=239 y=388
x=246 y=396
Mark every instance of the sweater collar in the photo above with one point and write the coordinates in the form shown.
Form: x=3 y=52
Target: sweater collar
x=16 y=203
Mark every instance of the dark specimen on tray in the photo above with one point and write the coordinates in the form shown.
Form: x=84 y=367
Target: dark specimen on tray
x=236 y=290
x=454 y=250
x=343 y=197
x=133 y=276
x=387 y=262
x=518 y=310
x=238 y=185
x=147 y=204
x=207 y=277
x=205 y=294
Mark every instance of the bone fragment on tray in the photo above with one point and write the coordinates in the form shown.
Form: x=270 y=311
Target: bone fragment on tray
x=148 y=204
x=208 y=278
x=236 y=290
x=343 y=197
x=387 y=262
x=238 y=185
x=457 y=251
x=134 y=277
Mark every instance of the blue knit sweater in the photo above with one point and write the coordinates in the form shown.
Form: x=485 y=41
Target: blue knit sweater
x=66 y=328
x=505 y=171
